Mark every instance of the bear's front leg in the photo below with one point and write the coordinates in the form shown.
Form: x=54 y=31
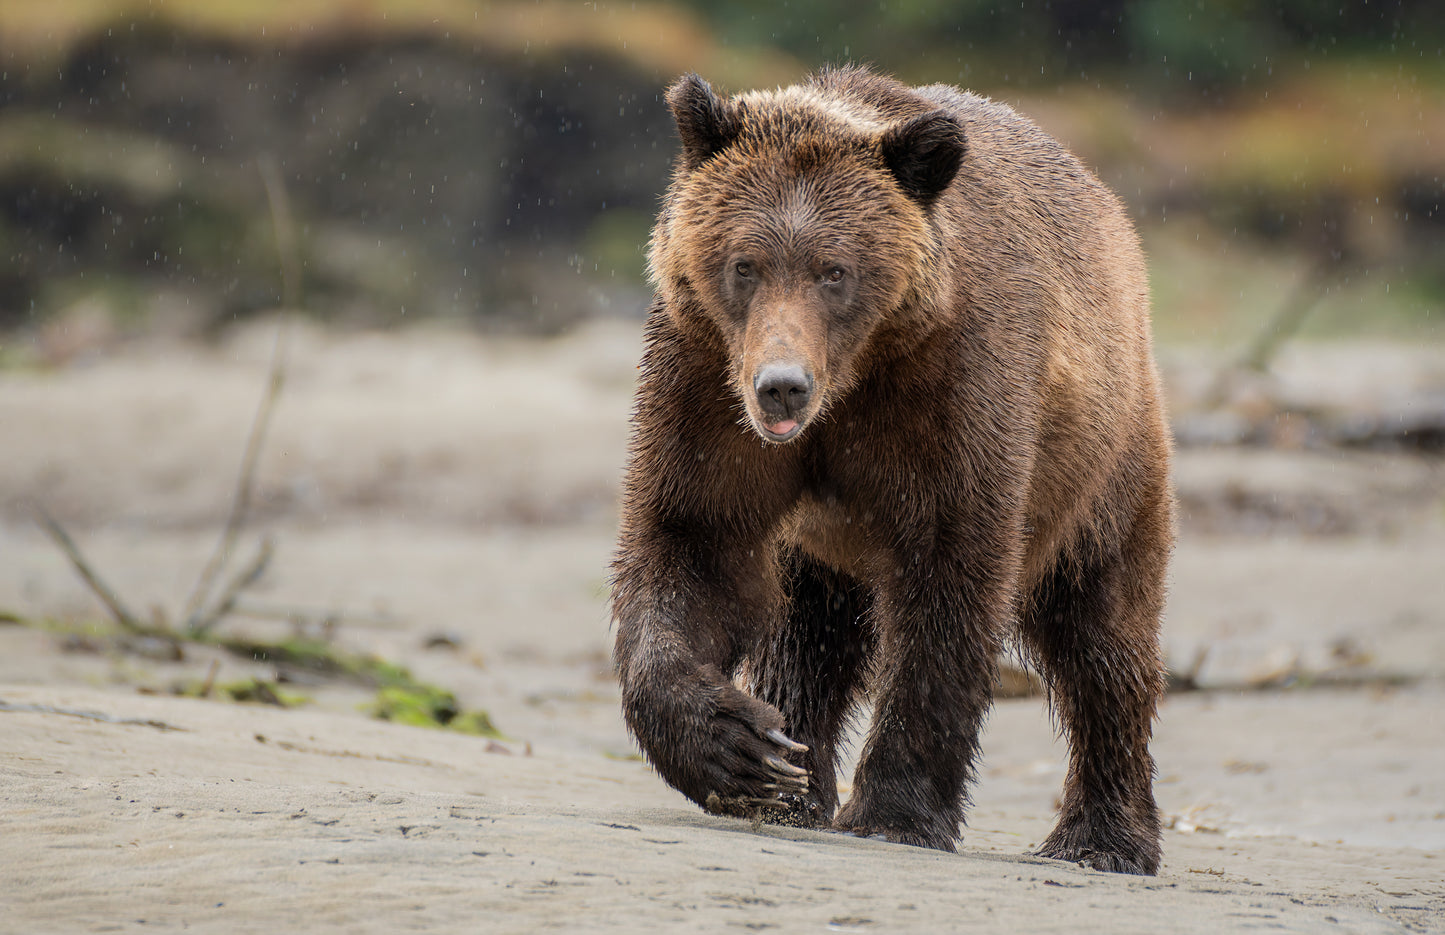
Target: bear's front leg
x=812 y=667
x=937 y=669
x=686 y=615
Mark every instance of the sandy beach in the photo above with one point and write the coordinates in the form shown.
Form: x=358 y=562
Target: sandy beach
x=449 y=500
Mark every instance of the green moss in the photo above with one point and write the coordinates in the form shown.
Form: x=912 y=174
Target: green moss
x=247 y=691
x=422 y=705
x=323 y=658
x=476 y=722
x=400 y=697
x=261 y=691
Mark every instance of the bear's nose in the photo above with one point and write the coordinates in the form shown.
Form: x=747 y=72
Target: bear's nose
x=783 y=390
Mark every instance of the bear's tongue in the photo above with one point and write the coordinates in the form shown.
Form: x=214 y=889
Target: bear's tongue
x=783 y=427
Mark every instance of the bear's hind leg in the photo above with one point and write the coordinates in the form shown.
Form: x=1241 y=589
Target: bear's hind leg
x=1092 y=627
x=811 y=668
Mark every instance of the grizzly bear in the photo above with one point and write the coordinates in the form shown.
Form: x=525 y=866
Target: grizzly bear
x=897 y=405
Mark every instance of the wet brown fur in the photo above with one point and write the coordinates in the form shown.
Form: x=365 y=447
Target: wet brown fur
x=983 y=457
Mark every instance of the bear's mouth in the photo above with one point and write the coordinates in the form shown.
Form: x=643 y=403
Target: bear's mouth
x=782 y=431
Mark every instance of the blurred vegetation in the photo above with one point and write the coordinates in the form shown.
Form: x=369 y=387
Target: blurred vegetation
x=398 y=695
x=1183 y=50
x=500 y=161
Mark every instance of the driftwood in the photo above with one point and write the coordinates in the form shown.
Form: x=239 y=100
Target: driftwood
x=1283 y=325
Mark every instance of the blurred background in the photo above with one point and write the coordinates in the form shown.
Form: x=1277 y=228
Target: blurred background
x=500 y=162
x=441 y=207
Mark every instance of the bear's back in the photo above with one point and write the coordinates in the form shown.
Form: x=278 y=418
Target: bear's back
x=1042 y=250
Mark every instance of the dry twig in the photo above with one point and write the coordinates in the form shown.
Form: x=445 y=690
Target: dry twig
x=107 y=596
x=227 y=601
x=196 y=620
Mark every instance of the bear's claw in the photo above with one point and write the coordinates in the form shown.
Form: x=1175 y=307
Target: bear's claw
x=783 y=740
x=784 y=768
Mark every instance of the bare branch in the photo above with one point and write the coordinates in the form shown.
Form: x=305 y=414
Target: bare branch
x=227 y=601
x=108 y=597
x=245 y=482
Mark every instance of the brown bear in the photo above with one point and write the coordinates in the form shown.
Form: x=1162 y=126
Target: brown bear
x=897 y=404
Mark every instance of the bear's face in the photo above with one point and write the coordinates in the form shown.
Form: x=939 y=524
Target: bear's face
x=797 y=227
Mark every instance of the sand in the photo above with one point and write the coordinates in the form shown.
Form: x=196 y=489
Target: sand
x=430 y=483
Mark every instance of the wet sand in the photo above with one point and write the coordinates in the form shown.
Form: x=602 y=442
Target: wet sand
x=430 y=483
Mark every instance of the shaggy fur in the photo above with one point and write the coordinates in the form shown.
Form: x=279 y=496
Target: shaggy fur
x=897 y=406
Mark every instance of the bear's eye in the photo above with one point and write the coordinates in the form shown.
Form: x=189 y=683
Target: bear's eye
x=834 y=275
x=745 y=270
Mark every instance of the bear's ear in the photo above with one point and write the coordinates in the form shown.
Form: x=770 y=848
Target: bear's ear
x=924 y=154
x=705 y=122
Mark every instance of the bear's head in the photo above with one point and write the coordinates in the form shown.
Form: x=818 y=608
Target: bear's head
x=799 y=222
